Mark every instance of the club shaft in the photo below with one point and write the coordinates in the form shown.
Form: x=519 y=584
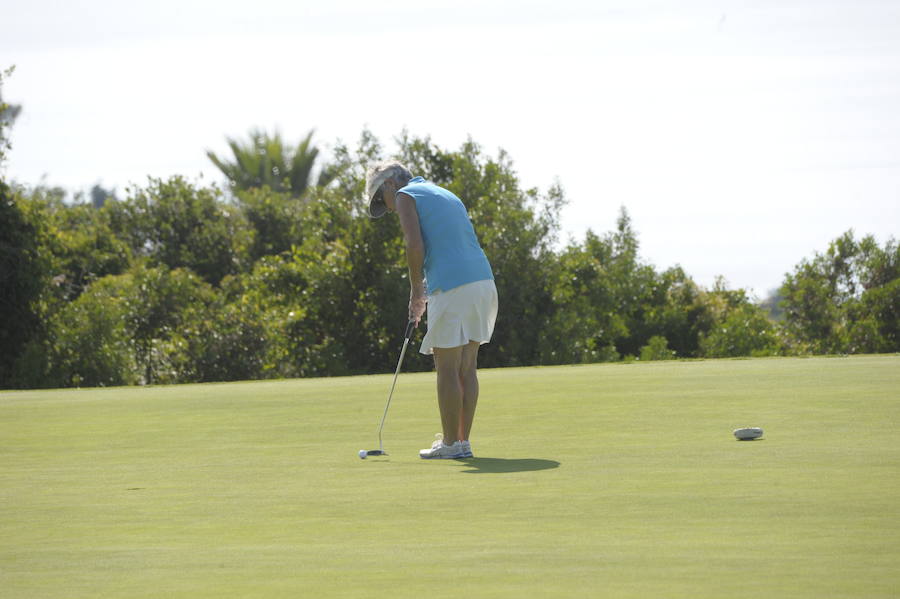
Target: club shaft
x=391 y=394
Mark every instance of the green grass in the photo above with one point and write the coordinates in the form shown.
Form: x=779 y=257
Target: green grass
x=601 y=481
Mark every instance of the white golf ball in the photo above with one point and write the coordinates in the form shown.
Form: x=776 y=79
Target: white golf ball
x=362 y=454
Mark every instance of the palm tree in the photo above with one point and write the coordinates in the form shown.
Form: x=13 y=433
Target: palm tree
x=266 y=161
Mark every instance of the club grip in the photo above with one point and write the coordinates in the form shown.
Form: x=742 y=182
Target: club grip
x=410 y=327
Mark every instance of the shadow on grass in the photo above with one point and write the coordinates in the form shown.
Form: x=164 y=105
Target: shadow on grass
x=501 y=465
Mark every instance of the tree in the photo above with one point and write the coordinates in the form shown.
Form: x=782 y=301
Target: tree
x=81 y=247
x=607 y=303
x=22 y=265
x=266 y=161
x=182 y=226
x=846 y=299
x=23 y=276
x=306 y=304
x=682 y=315
x=581 y=323
x=8 y=115
x=635 y=287
x=276 y=220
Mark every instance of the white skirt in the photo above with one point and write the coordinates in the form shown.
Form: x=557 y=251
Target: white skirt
x=460 y=315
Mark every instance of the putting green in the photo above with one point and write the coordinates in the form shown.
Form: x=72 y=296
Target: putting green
x=605 y=481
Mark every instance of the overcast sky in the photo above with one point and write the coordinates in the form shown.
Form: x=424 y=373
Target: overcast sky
x=741 y=136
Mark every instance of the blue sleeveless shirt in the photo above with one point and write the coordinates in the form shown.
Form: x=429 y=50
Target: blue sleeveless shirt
x=453 y=256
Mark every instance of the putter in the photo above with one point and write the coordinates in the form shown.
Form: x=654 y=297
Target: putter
x=410 y=326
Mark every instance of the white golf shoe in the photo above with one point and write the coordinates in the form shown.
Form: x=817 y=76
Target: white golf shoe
x=439 y=451
x=467 y=449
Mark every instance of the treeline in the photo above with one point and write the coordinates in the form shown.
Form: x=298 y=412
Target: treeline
x=182 y=282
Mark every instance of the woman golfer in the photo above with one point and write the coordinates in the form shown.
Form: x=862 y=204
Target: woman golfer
x=449 y=271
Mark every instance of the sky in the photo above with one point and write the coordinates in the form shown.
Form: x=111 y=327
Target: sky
x=741 y=137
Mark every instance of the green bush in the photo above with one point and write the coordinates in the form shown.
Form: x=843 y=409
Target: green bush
x=225 y=343
x=89 y=343
x=657 y=349
x=745 y=331
x=176 y=224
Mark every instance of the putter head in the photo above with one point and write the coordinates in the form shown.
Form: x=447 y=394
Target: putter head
x=376 y=452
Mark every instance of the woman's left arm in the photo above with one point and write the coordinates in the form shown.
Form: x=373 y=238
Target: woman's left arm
x=415 y=254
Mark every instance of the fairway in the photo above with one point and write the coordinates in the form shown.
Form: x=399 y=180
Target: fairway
x=612 y=480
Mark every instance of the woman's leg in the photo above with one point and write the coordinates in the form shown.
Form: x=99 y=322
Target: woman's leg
x=468 y=378
x=448 y=363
